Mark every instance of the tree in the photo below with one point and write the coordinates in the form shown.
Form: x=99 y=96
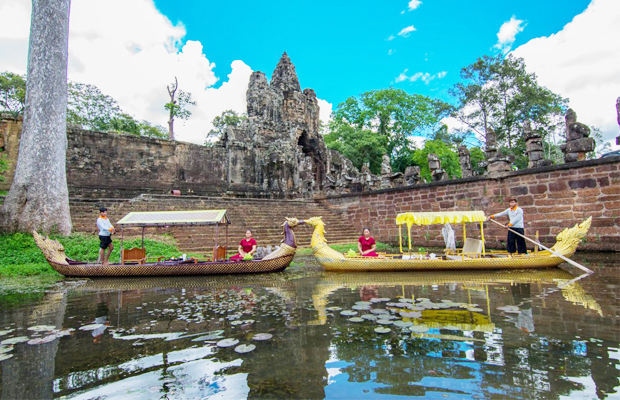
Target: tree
x=447 y=155
x=476 y=156
x=177 y=106
x=228 y=118
x=39 y=198
x=12 y=93
x=90 y=108
x=359 y=146
x=392 y=114
x=497 y=92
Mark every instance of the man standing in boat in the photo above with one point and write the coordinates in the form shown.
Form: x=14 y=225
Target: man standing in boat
x=515 y=224
x=105 y=236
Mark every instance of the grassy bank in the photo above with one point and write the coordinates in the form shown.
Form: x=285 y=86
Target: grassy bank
x=20 y=256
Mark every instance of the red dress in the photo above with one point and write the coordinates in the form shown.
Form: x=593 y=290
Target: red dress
x=247 y=246
x=367 y=245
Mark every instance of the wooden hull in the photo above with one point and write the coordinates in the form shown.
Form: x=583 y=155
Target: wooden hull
x=77 y=269
x=369 y=264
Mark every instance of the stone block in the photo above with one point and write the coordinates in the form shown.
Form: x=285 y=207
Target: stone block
x=582 y=183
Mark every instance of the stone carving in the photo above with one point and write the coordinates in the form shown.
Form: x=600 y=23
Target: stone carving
x=279 y=147
x=578 y=144
x=496 y=163
x=618 y=114
x=388 y=178
x=412 y=175
x=434 y=164
x=464 y=161
x=534 y=147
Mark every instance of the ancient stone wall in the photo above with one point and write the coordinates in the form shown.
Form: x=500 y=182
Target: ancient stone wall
x=553 y=198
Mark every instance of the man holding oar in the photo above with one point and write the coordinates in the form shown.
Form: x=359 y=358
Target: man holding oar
x=515 y=215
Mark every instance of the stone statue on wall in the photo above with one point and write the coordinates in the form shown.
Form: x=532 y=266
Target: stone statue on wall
x=464 y=161
x=618 y=115
x=412 y=175
x=495 y=162
x=534 y=147
x=434 y=164
x=491 y=143
x=578 y=142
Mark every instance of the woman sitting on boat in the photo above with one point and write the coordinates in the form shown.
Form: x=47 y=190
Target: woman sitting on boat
x=366 y=245
x=246 y=246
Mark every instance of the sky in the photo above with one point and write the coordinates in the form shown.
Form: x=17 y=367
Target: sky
x=132 y=49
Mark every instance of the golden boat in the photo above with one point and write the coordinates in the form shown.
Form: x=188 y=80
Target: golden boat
x=134 y=262
x=472 y=256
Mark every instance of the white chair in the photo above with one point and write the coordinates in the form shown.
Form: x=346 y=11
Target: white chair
x=471 y=249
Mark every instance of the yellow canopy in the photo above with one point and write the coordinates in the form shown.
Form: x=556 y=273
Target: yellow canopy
x=429 y=218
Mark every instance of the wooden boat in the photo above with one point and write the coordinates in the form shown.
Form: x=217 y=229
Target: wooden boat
x=473 y=256
x=277 y=260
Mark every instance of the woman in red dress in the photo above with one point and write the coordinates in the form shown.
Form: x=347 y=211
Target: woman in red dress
x=246 y=246
x=366 y=245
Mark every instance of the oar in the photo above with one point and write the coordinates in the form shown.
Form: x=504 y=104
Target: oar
x=568 y=260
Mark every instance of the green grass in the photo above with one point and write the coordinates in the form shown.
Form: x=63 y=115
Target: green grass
x=20 y=256
x=344 y=247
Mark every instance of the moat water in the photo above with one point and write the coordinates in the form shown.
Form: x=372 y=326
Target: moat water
x=308 y=334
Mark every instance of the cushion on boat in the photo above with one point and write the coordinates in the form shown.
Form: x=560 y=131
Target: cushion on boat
x=472 y=246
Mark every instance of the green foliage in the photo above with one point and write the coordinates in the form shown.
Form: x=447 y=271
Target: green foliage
x=498 y=93
x=476 y=156
x=221 y=123
x=447 y=155
x=391 y=114
x=12 y=93
x=4 y=165
x=358 y=145
x=21 y=257
x=178 y=106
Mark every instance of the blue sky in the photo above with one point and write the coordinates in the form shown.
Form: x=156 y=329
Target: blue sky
x=131 y=49
x=341 y=48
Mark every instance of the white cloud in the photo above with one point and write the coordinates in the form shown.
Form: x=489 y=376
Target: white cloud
x=391 y=37
x=133 y=60
x=423 y=76
x=582 y=62
x=405 y=32
x=507 y=33
x=413 y=4
x=325 y=111
x=391 y=51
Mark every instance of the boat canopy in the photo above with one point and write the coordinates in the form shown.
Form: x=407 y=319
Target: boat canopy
x=430 y=218
x=174 y=218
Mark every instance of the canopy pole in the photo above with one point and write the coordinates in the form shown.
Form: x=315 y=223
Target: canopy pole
x=482 y=237
x=409 y=236
x=143 y=237
x=226 y=241
x=464 y=234
x=568 y=260
x=400 y=238
x=120 y=257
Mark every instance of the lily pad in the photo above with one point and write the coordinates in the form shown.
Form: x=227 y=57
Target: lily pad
x=14 y=340
x=210 y=336
x=402 y=324
x=363 y=303
x=262 y=336
x=5 y=356
x=379 y=311
x=383 y=330
x=46 y=339
x=6 y=332
x=245 y=348
x=410 y=314
x=361 y=307
x=5 y=349
x=348 y=313
x=335 y=308
x=384 y=322
x=42 y=328
x=418 y=329
x=227 y=342
x=356 y=319
x=369 y=317
x=91 y=327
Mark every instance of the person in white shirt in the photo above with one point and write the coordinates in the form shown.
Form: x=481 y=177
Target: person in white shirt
x=105 y=236
x=515 y=224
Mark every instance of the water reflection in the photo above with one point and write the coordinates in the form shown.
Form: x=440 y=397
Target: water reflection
x=515 y=334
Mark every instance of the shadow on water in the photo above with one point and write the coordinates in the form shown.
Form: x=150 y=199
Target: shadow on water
x=508 y=334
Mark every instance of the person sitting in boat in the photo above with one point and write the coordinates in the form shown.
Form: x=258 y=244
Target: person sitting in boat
x=515 y=224
x=366 y=245
x=246 y=246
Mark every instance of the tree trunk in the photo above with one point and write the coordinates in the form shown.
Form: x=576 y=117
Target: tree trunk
x=39 y=198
